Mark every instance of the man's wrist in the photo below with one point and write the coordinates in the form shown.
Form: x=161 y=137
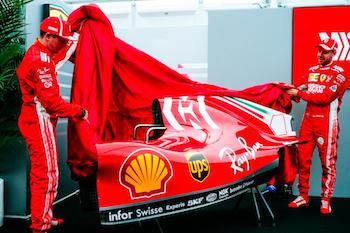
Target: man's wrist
x=83 y=113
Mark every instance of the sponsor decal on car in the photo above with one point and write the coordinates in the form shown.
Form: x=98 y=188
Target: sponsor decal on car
x=145 y=173
x=211 y=197
x=240 y=163
x=198 y=166
x=137 y=212
x=184 y=111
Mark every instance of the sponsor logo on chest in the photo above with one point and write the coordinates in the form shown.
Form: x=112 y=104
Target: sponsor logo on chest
x=317 y=77
x=45 y=77
x=316 y=88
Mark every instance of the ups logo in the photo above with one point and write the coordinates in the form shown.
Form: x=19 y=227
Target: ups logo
x=198 y=166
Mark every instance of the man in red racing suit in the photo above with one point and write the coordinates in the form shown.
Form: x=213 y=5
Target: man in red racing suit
x=324 y=87
x=42 y=105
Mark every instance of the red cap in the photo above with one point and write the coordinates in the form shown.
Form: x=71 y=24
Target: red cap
x=328 y=44
x=56 y=26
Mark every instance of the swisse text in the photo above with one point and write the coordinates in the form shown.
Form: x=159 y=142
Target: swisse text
x=148 y=211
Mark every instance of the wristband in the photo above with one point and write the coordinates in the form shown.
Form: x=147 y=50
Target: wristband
x=83 y=113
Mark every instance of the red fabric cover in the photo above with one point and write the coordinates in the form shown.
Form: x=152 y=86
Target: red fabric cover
x=91 y=87
x=287 y=167
x=270 y=95
x=117 y=84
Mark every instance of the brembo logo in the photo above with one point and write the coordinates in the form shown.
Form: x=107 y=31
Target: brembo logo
x=342 y=38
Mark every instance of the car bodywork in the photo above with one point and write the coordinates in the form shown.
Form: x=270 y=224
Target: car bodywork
x=159 y=142
x=201 y=150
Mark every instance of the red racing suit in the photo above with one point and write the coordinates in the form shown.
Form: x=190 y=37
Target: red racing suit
x=42 y=104
x=320 y=126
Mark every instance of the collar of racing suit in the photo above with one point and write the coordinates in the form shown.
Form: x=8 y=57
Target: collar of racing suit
x=42 y=47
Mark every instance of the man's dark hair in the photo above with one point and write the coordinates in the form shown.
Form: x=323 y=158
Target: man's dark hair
x=42 y=34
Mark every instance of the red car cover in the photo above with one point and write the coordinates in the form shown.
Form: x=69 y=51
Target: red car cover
x=117 y=83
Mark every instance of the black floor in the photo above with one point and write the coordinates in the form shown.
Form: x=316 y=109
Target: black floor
x=221 y=218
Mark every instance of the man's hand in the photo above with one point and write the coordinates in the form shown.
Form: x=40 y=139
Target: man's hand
x=292 y=92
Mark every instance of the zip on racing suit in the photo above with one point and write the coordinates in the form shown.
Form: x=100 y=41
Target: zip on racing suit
x=42 y=105
x=320 y=126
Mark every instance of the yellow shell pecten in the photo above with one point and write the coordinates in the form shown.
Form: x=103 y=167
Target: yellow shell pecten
x=146 y=173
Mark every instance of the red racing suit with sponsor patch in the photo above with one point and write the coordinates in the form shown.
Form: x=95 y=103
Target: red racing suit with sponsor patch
x=320 y=126
x=42 y=105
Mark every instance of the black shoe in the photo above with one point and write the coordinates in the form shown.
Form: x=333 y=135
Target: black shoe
x=287 y=191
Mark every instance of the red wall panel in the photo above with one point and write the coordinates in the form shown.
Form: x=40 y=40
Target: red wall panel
x=312 y=24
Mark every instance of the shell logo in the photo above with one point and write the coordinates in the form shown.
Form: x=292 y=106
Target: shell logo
x=145 y=173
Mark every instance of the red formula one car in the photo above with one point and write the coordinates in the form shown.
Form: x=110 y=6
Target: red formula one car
x=159 y=142
x=199 y=151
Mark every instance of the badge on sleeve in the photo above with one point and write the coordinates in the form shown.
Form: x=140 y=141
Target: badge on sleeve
x=333 y=88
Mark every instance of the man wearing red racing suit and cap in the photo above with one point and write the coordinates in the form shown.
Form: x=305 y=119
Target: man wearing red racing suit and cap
x=42 y=105
x=323 y=90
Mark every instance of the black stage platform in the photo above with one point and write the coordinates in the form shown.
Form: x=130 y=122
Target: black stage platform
x=225 y=217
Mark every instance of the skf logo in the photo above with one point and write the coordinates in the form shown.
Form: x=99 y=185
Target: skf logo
x=342 y=39
x=198 y=166
x=145 y=173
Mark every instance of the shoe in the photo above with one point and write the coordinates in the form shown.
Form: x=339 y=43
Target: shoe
x=55 y=222
x=287 y=190
x=325 y=206
x=299 y=202
x=271 y=188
